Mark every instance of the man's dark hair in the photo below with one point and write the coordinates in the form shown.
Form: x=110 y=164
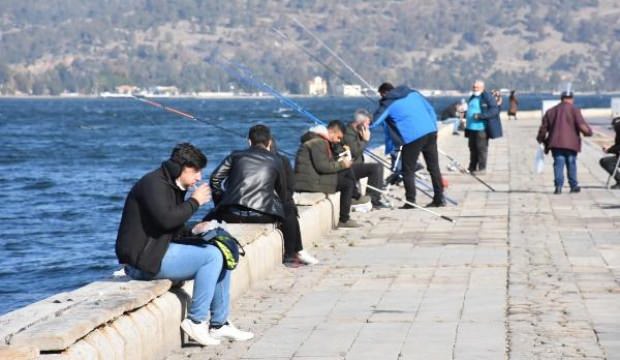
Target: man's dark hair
x=187 y=155
x=337 y=123
x=385 y=88
x=259 y=135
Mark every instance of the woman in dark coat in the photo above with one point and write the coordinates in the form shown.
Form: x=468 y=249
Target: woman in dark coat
x=513 y=104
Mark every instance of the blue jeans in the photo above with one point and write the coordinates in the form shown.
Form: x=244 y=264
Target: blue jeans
x=562 y=157
x=211 y=281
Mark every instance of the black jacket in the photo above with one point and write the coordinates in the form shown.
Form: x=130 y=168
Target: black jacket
x=251 y=179
x=615 y=148
x=155 y=213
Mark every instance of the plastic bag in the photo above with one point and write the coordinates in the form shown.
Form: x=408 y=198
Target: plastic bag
x=539 y=159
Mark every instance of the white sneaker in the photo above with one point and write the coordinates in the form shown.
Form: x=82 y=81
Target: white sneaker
x=307 y=258
x=199 y=332
x=229 y=331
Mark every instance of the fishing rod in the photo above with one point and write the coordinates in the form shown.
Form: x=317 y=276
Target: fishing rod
x=238 y=71
x=317 y=59
x=411 y=203
x=194 y=118
x=463 y=170
x=335 y=56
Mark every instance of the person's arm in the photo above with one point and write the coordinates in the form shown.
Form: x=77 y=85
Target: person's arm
x=379 y=116
x=492 y=108
x=218 y=177
x=321 y=161
x=156 y=199
x=582 y=125
x=542 y=131
x=356 y=144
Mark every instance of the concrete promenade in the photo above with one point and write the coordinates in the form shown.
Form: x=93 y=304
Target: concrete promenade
x=523 y=274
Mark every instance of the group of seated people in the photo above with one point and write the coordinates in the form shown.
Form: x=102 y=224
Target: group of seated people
x=255 y=185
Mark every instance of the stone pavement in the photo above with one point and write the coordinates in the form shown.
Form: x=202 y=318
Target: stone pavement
x=523 y=274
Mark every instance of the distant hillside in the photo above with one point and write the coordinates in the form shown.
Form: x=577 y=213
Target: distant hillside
x=47 y=47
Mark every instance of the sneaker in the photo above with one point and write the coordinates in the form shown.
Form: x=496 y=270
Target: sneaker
x=434 y=203
x=199 y=332
x=349 y=224
x=362 y=200
x=558 y=190
x=407 y=206
x=229 y=331
x=307 y=258
x=575 y=189
x=380 y=204
x=293 y=262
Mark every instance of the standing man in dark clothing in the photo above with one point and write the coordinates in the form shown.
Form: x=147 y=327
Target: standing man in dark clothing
x=356 y=137
x=149 y=243
x=482 y=125
x=609 y=163
x=249 y=186
x=559 y=131
x=317 y=169
x=411 y=122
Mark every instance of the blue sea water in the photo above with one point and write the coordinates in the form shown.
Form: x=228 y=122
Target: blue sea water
x=66 y=166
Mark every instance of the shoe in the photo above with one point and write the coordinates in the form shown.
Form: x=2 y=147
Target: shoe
x=349 y=224
x=616 y=187
x=293 y=262
x=199 y=332
x=306 y=258
x=558 y=190
x=362 y=200
x=575 y=189
x=455 y=133
x=394 y=179
x=380 y=204
x=229 y=331
x=407 y=206
x=441 y=203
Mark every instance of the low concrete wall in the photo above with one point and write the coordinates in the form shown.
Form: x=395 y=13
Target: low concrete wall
x=127 y=319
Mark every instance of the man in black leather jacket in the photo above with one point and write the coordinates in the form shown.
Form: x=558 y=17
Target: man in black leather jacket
x=249 y=186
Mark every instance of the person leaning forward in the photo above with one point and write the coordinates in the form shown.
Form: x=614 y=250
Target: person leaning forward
x=150 y=243
x=318 y=170
x=609 y=163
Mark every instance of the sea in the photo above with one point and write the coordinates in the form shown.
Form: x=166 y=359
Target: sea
x=66 y=166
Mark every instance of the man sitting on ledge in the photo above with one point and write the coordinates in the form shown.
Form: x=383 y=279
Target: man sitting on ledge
x=317 y=170
x=154 y=218
x=250 y=186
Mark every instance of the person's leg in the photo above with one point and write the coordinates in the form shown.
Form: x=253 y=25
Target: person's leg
x=220 y=307
x=609 y=164
x=410 y=154
x=558 y=168
x=291 y=233
x=345 y=185
x=431 y=157
x=571 y=169
x=482 y=149
x=472 y=141
x=374 y=173
x=203 y=264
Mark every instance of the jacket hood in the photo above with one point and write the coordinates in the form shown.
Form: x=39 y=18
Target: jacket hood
x=398 y=92
x=314 y=132
x=172 y=170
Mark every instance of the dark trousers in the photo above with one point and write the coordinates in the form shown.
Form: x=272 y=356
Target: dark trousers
x=427 y=144
x=289 y=225
x=478 y=150
x=346 y=186
x=609 y=163
x=374 y=173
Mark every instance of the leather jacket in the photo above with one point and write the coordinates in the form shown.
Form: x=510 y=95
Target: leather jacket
x=250 y=179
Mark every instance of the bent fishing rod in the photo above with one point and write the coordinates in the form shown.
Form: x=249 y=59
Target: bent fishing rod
x=410 y=203
x=244 y=74
x=305 y=29
x=194 y=118
x=463 y=170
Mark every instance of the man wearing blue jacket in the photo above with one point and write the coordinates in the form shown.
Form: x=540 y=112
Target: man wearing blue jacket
x=409 y=121
x=482 y=124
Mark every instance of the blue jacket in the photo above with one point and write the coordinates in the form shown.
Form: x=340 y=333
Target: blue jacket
x=490 y=113
x=406 y=116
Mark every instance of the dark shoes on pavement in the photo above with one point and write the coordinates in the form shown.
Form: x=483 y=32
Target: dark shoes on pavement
x=349 y=224
x=558 y=190
x=576 y=189
x=434 y=203
x=407 y=206
x=380 y=204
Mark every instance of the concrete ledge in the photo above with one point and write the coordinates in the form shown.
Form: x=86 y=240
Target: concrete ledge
x=127 y=319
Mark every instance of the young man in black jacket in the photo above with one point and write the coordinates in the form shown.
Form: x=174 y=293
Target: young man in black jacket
x=149 y=243
x=250 y=186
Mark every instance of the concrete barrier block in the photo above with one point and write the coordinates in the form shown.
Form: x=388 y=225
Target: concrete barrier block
x=81 y=351
x=23 y=352
x=104 y=346
x=334 y=200
x=171 y=308
x=150 y=334
x=307 y=198
x=132 y=341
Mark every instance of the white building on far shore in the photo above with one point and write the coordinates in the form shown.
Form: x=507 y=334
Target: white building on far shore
x=317 y=86
x=351 y=90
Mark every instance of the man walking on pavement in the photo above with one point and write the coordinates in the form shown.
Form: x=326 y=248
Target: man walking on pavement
x=559 y=131
x=482 y=124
